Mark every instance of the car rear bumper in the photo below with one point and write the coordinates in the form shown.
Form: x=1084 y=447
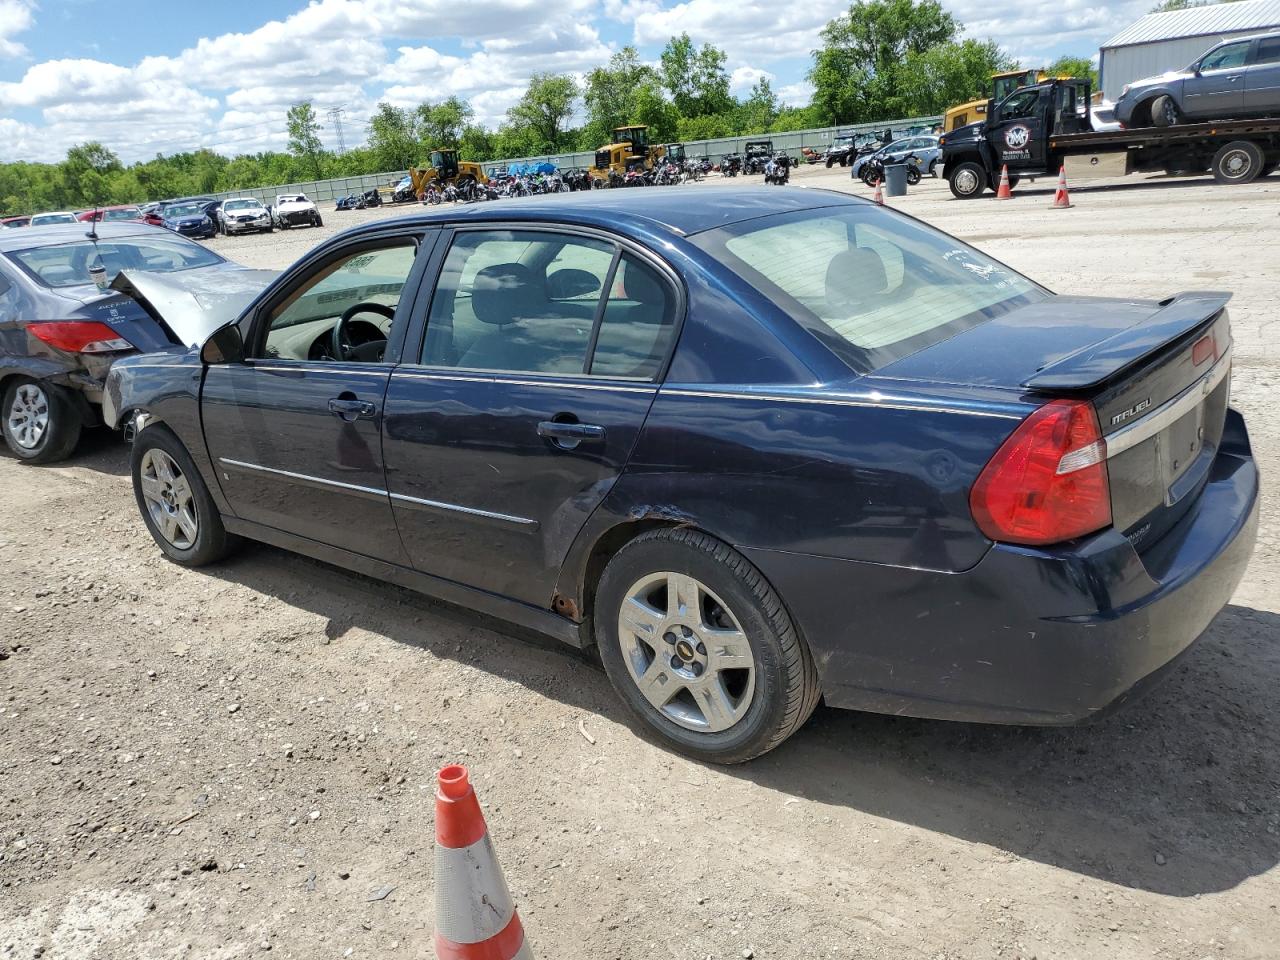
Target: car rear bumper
x=1027 y=635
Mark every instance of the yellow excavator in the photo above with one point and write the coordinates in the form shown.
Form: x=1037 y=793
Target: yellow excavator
x=1002 y=84
x=445 y=168
x=630 y=149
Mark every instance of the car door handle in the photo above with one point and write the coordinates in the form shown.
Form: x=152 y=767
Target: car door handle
x=350 y=409
x=572 y=432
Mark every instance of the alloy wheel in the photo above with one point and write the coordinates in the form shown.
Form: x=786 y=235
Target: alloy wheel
x=169 y=500
x=686 y=652
x=29 y=416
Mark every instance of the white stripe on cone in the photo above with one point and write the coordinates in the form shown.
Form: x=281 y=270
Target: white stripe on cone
x=472 y=899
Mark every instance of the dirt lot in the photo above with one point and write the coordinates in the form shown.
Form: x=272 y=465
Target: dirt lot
x=214 y=764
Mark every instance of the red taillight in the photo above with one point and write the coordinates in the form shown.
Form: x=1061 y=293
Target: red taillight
x=1048 y=481
x=80 y=336
x=1206 y=348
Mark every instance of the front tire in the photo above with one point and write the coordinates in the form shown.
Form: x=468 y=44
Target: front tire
x=176 y=506
x=700 y=647
x=40 y=421
x=317 y=222
x=967 y=181
x=1164 y=112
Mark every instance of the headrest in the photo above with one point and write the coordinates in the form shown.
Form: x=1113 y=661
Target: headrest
x=853 y=276
x=502 y=292
x=643 y=287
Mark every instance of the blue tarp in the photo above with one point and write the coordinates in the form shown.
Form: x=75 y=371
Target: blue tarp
x=529 y=169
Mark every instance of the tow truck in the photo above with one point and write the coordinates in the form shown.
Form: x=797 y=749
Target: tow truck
x=1038 y=130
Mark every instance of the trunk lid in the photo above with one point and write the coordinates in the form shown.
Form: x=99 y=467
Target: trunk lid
x=1157 y=373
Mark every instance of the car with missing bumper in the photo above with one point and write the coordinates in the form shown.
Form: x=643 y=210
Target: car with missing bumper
x=62 y=325
x=812 y=450
x=295 y=210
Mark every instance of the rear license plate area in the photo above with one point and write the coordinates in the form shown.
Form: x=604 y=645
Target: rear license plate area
x=1181 y=446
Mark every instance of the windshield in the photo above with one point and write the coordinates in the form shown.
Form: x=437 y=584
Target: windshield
x=67 y=264
x=183 y=210
x=130 y=213
x=43 y=218
x=298 y=199
x=872 y=285
x=241 y=205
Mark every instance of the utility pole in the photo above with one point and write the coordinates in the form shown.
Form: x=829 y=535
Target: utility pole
x=335 y=117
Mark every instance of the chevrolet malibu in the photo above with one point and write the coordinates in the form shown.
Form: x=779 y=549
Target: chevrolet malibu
x=758 y=450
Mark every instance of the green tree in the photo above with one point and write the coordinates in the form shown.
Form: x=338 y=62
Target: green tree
x=393 y=138
x=696 y=78
x=611 y=96
x=442 y=124
x=946 y=75
x=540 y=115
x=1081 y=67
x=304 y=135
x=760 y=109
x=1185 y=4
x=476 y=143
x=864 y=51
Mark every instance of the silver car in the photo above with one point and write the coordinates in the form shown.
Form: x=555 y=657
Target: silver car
x=927 y=152
x=1236 y=78
x=244 y=215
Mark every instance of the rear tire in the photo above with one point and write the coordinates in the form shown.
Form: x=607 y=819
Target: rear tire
x=1164 y=112
x=967 y=181
x=1240 y=161
x=39 y=420
x=728 y=675
x=175 y=504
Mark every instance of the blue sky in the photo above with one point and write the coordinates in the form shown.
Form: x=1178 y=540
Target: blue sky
x=148 y=76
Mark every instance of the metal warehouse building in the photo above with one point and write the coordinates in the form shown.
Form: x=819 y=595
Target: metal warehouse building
x=1170 y=41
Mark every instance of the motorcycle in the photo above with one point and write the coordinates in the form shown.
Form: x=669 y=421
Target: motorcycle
x=778 y=170
x=873 y=170
x=731 y=165
x=351 y=202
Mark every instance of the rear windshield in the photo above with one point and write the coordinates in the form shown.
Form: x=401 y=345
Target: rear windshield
x=872 y=285
x=67 y=264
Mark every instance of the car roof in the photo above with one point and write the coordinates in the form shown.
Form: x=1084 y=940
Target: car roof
x=57 y=233
x=684 y=212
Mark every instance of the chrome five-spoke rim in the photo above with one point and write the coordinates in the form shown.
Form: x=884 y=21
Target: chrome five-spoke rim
x=169 y=500
x=686 y=652
x=29 y=416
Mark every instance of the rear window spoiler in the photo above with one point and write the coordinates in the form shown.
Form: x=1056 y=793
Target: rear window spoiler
x=1107 y=359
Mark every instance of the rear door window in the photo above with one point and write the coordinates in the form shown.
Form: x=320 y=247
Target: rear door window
x=873 y=286
x=1268 y=51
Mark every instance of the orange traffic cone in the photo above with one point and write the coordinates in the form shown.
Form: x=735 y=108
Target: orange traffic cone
x=475 y=917
x=1061 y=199
x=879 y=197
x=1004 y=193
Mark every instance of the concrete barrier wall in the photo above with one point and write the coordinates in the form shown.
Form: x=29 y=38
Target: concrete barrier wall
x=327 y=191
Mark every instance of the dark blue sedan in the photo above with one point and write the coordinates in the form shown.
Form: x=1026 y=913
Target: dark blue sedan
x=759 y=448
x=190 y=220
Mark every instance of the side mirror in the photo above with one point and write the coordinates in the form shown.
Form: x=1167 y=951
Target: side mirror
x=225 y=346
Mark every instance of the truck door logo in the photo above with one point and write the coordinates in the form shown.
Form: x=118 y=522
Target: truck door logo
x=1017 y=138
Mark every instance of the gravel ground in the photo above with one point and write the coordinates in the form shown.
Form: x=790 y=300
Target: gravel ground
x=215 y=764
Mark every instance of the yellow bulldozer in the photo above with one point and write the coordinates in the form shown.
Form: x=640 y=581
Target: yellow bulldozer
x=1002 y=84
x=445 y=169
x=630 y=150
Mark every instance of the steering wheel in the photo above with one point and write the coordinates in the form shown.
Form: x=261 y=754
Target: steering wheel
x=340 y=338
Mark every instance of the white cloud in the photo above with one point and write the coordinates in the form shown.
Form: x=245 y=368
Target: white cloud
x=755 y=30
x=796 y=94
x=744 y=78
x=16 y=16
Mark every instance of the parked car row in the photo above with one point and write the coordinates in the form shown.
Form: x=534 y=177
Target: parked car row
x=196 y=217
x=758 y=448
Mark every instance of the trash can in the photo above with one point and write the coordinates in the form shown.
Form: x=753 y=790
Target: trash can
x=895 y=179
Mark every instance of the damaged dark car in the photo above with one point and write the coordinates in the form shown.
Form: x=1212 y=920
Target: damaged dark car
x=757 y=449
x=74 y=300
